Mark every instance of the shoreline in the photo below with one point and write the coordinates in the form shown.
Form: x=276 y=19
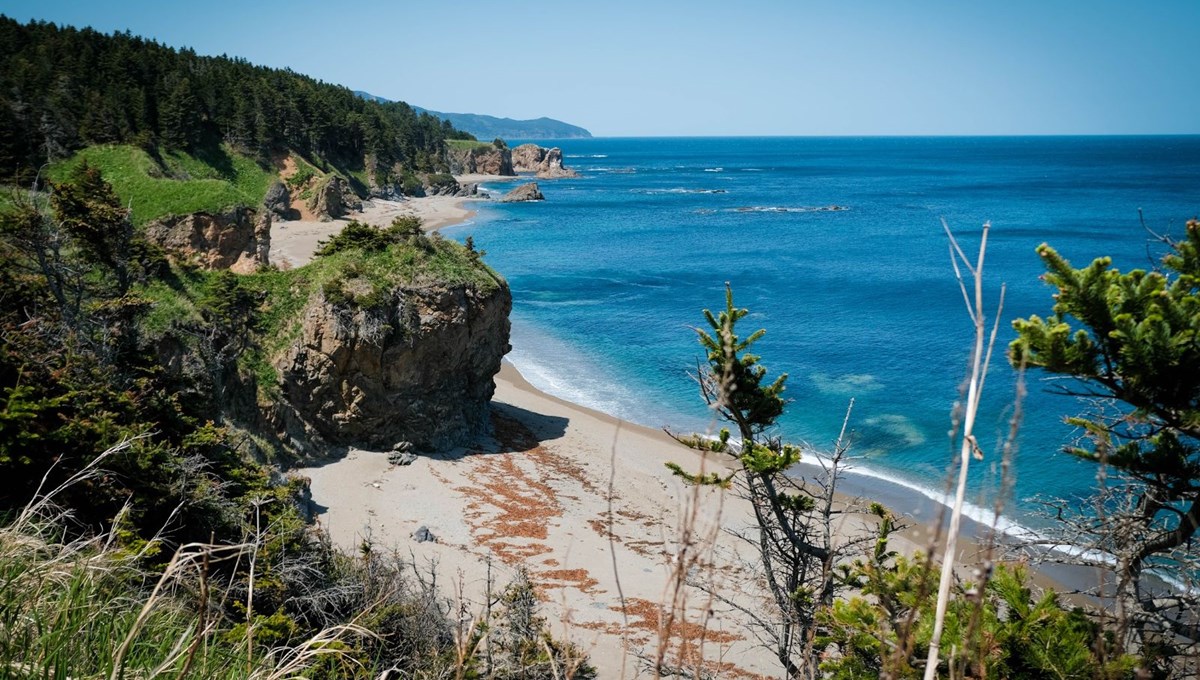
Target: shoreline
x=537 y=495
x=294 y=241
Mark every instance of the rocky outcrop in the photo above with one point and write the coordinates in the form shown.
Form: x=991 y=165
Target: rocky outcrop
x=525 y=192
x=484 y=159
x=238 y=239
x=545 y=163
x=417 y=367
x=333 y=198
x=446 y=185
x=277 y=201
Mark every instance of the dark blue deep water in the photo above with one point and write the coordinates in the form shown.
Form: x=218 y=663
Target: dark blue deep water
x=611 y=272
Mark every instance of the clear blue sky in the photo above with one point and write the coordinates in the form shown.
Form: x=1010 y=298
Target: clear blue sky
x=720 y=68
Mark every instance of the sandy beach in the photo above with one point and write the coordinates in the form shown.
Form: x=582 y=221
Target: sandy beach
x=293 y=241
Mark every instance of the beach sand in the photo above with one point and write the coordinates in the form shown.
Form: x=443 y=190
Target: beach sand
x=544 y=493
x=293 y=241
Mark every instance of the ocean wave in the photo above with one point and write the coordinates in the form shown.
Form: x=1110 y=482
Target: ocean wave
x=614 y=399
x=788 y=209
x=679 y=191
x=714 y=169
x=585 y=155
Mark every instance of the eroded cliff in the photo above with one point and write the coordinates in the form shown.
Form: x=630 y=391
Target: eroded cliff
x=237 y=239
x=482 y=159
x=395 y=346
x=545 y=163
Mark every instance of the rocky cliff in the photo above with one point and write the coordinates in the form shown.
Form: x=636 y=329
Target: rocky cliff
x=412 y=363
x=483 y=159
x=333 y=198
x=238 y=239
x=546 y=163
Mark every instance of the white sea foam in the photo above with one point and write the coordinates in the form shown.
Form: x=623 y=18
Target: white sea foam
x=679 y=191
x=788 y=209
x=714 y=169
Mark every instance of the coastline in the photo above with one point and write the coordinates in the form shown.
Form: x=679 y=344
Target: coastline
x=537 y=495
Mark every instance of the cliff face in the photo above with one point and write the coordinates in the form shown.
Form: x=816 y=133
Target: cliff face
x=417 y=367
x=546 y=163
x=482 y=159
x=238 y=239
x=333 y=198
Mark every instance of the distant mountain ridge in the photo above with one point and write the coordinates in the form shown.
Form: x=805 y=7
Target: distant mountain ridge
x=489 y=127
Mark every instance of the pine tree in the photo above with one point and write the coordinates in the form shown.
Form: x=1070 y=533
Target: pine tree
x=1132 y=341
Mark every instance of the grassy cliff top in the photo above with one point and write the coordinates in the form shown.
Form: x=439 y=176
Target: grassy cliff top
x=468 y=144
x=174 y=183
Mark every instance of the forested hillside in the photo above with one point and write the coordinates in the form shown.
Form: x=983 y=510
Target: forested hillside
x=62 y=89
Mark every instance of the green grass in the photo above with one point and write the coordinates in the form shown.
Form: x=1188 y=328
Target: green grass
x=467 y=144
x=211 y=180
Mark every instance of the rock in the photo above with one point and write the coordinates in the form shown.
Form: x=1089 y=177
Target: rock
x=525 y=192
x=545 y=163
x=238 y=240
x=417 y=366
x=527 y=157
x=333 y=198
x=440 y=185
x=402 y=447
x=483 y=159
x=424 y=535
x=396 y=458
x=277 y=201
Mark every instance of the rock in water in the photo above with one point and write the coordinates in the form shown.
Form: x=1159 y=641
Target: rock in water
x=525 y=192
x=545 y=163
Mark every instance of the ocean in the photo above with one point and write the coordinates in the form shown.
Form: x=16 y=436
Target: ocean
x=836 y=247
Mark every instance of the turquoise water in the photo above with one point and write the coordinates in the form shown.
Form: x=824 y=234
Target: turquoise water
x=836 y=246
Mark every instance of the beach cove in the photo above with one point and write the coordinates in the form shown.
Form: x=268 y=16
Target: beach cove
x=584 y=502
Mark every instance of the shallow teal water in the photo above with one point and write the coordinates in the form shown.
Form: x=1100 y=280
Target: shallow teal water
x=836 y=246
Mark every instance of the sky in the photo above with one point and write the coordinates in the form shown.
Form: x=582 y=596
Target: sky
x=753 y=67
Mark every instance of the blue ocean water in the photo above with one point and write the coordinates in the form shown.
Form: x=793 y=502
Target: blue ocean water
x=836 y=247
